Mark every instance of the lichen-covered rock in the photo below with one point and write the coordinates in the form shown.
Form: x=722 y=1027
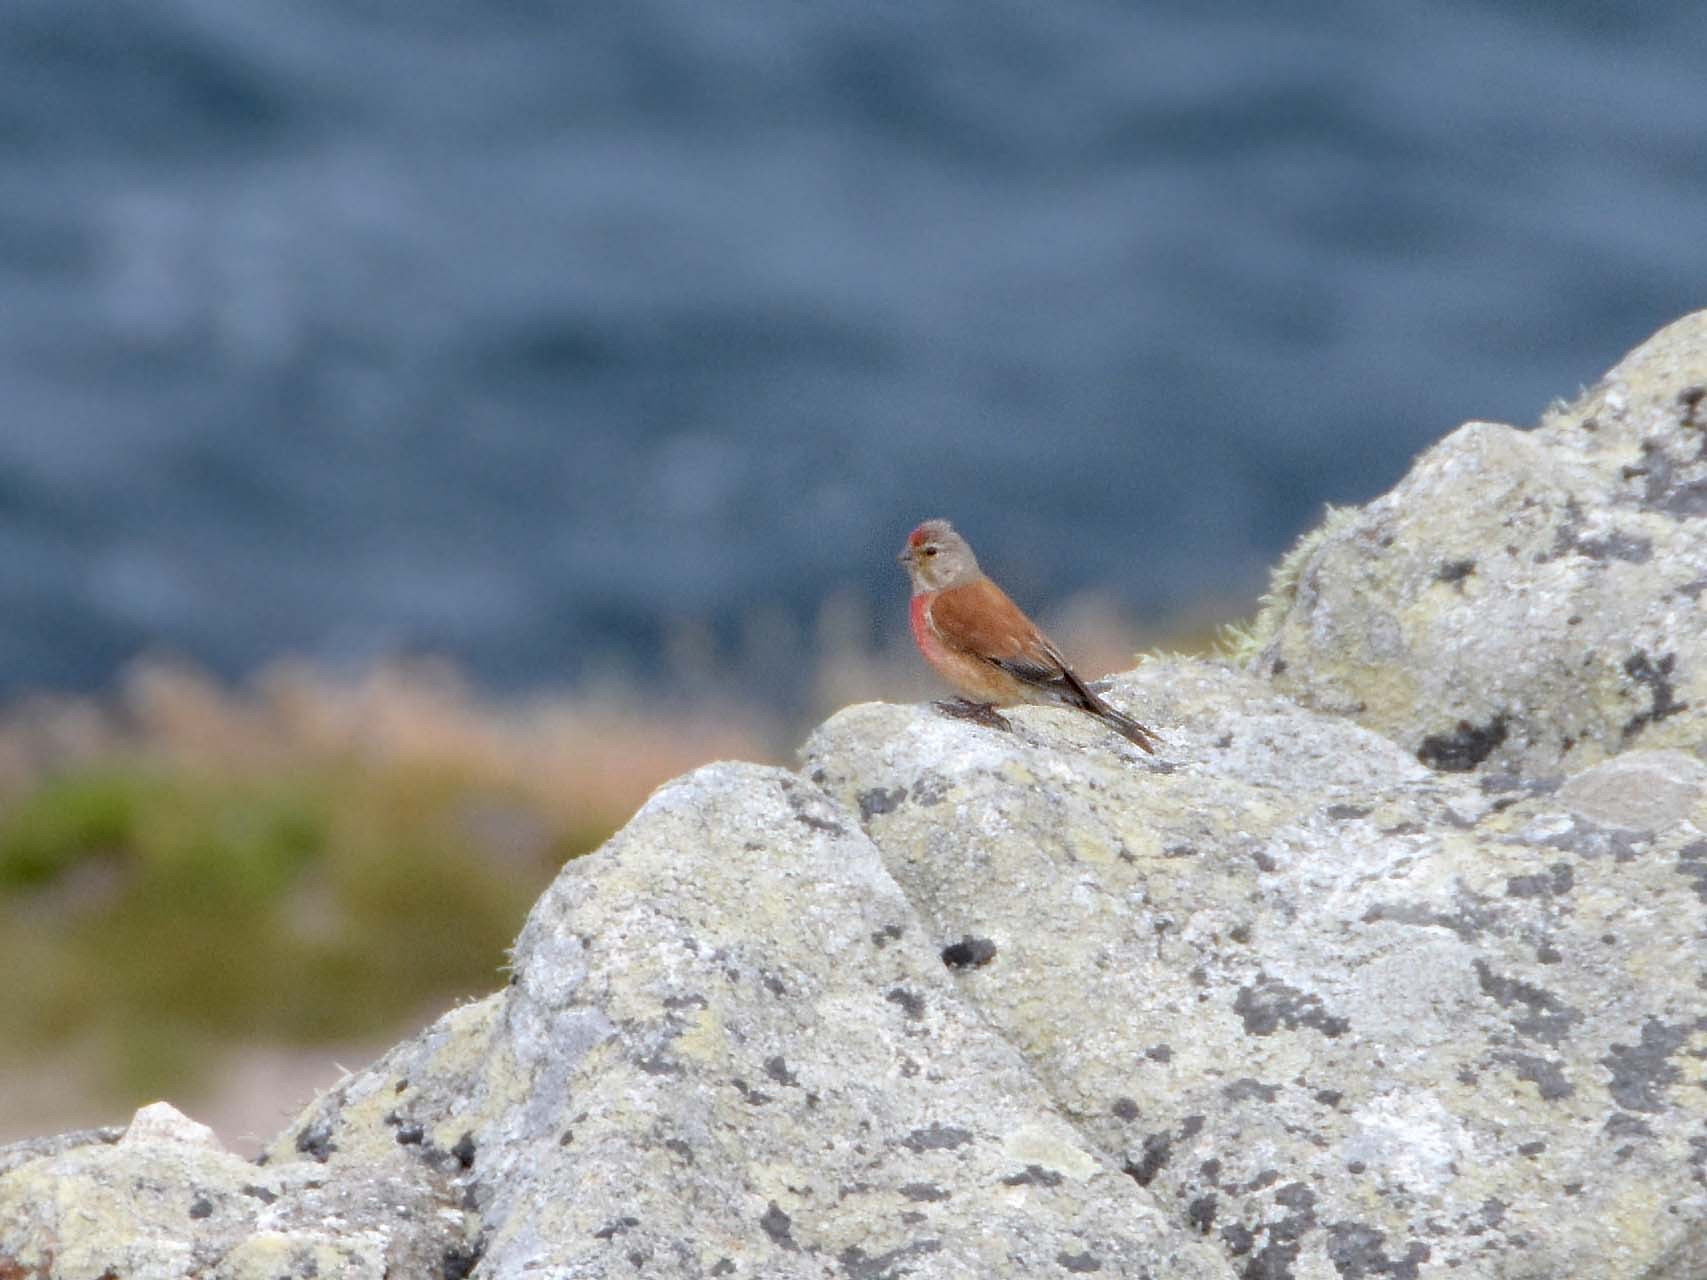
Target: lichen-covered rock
x=1346 y=1016
x=164 y=1201
x=730 y=1048
x=1527 y=600
x=1282 y=1002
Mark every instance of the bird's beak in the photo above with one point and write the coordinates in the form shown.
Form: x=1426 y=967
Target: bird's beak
x=906 y=556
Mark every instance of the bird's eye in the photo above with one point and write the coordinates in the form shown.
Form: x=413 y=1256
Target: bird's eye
x=930 y=551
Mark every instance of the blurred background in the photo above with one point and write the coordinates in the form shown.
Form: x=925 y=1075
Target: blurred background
x=424 y=427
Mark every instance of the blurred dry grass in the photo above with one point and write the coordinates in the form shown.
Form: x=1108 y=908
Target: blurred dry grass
x=197 y=881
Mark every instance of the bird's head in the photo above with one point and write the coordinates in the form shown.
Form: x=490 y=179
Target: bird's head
x=936 y=557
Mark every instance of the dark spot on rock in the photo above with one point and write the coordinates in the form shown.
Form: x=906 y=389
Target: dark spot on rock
x=1454 y=572
x=778 y=1225
x=1190 y=1127
x=260 y=1193
x=1547 y=953
x=930 y=789
x=1240 y=933
x=1546 y=1076
x=465 y=1149
x=1587 y=840
x=615 y=1227
x=1275 y=668
x=693 y=1000
x=1246 y=1088
x=1157 y=1148
x=568 y=1136
x=887 y=934
x=1264 y=861
x=1573 y=1188
x=1664 y=490
x=1159 y=1053
x=1200 y=1213
x=1079 y=1262
x=314 y=1139
x=1329 y=1097
x=969 y=953
x=1180 y=851
x=202 y=1207
x=811 y=811
x=1033 y=1175
x=1267 y=1178
x=410 y=1135
x=1547 y=1018
x=777 y=1069
x=724 y=1267
x=1640 y=1071
x=1238 y=1238
x=1270 y=1004
x=1655 y=677
x=938 y=1137
x=659 y=1065
x=880 y=800
x=753 y=1097
x=1125 y=1109
x=1621 y=1124
x=1272 y=1262
x=1692 y=862
x=1210 y=1171
x=773 y=984
x=680 y=1147
x=458 y=1261
x=1347 y=812
x=911 y=1004
x=1551 y=883
x=926 y=1191
x=401 y=1085
x=1531 y=1149
x=1688 y=401
x=1464 y=747
x=1358 y=1252
x=1355 y=1166
x=1617 y=545
x=859 y=1265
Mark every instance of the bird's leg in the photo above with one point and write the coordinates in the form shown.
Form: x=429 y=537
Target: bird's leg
x=983 y=713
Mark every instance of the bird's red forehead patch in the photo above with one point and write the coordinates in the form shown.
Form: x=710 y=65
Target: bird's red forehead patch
x=918 y=536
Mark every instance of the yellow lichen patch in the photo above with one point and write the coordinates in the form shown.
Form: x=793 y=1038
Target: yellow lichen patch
x=1049 y=1148
x=706 y=1039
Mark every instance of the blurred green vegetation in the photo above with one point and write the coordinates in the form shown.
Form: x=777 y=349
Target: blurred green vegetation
x=162 y=910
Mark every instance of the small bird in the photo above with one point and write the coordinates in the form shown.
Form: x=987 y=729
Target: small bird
x=982 y=644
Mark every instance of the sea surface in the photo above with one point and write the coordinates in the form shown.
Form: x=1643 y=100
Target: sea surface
x=530 y=334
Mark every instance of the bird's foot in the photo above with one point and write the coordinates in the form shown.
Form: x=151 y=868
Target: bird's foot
x=983 y=713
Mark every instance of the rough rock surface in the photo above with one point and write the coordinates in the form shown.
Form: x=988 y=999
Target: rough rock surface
x=1282 y=1002
x=161 y=1200
x=1526 y=600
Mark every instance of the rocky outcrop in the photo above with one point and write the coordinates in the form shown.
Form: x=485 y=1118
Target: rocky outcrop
x=1307 y=995
x=1525 y=600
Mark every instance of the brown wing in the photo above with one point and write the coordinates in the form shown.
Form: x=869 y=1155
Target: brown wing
x=980 y=620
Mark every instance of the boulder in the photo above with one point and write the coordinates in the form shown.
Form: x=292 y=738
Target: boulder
x=1521 y=600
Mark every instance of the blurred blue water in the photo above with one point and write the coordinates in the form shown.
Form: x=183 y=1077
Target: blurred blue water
x=523 y=332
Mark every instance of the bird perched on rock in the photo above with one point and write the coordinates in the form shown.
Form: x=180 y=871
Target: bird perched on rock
x=982 y=644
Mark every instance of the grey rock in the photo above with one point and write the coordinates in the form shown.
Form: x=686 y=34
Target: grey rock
x=730 y=1048
x=165 y=1201
x=1522 y=600
x=1347 y=1018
